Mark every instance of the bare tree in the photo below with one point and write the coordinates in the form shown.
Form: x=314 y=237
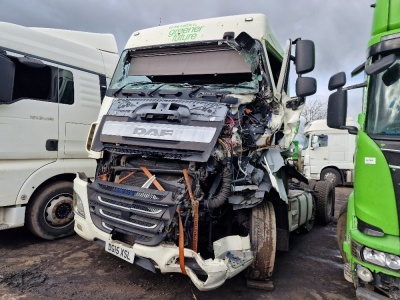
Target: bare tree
x=314 y=109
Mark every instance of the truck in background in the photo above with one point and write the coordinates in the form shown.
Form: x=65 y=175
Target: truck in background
x=190 y=142
x=368 y=228
x=52 y=83
x=328 y=154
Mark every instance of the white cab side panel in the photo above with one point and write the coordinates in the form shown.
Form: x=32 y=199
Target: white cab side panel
x=75 y=119
x=13 y=174
x=61 y=166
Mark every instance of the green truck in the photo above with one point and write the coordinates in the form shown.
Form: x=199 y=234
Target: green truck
x=368 y=227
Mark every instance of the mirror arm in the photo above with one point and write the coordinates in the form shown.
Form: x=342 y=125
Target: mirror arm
x=358 y=69
x=295 y=102
x=356 y=86
x=350 y=129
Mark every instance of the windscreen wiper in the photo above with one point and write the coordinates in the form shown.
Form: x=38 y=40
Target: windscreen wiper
x=133 y=92
x=151 y=93
x=195 y=90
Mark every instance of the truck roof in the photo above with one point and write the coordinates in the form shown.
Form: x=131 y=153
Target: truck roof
x=386 y=20
x=321 y=126
x=79 y=49
x=256 y=25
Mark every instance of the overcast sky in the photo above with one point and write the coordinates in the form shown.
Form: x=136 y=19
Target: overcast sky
x=339 y=28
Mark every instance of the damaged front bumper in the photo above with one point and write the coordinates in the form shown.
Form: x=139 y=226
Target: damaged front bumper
x=232 y=254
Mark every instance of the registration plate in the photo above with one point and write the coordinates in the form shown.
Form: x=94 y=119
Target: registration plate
x=122 y=252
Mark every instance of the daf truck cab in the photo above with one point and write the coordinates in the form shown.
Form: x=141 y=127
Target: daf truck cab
x=52 y=83
x=369 y=226
x=328 y=154
x=190 y=144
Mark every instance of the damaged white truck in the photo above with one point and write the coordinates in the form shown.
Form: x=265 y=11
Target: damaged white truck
x=192 y=145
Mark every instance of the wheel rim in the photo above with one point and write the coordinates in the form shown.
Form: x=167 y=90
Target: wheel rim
x=330 y=177
x=59 y=211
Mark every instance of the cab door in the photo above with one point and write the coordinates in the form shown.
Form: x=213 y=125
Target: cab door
x=319 y=152
x=28 y=121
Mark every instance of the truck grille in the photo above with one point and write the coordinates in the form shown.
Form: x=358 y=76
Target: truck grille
x=137 y=212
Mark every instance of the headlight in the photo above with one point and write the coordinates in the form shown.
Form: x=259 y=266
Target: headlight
x=78 y=205
x=393 y=261
x=374 y=256
x=383 y=259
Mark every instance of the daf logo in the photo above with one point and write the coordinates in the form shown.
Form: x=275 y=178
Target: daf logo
x=152 y=131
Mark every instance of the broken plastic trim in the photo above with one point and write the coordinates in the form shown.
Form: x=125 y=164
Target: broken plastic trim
x=232 y=255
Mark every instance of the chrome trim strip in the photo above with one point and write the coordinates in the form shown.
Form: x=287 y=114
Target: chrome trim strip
x=130 y=209
x=126 y=222
x=105 y=226
x=394 y=167
x=110 y=204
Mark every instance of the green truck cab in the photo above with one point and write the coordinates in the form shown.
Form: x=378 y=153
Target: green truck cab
x=369 y=226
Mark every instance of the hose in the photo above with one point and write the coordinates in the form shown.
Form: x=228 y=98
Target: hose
x=225 y=191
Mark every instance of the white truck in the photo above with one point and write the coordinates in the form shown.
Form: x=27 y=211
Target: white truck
x=52 y=83
x=328 y=154
x=191 y=143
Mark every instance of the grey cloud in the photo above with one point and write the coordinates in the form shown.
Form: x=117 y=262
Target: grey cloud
x=340 y=28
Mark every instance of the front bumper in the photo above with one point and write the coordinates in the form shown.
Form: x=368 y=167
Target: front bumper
x=232 y=254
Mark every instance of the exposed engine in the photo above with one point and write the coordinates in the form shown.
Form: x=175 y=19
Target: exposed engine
x=181 y=167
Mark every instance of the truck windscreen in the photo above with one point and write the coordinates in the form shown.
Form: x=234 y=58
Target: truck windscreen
x=203 y=65
x=384 y=102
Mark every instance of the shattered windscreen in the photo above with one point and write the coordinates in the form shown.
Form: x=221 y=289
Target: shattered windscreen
x=218 y=66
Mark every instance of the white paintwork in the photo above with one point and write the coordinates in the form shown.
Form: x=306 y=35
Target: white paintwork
x=27 y=124
x=338 y=154
x=11 y=217
x=79 y=49
x=256 y=25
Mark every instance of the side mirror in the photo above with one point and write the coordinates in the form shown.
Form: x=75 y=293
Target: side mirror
x=7 y=74
x=305 y=86
x=304 y=56
x=337 y=109
x=337 y=81
x=380 y=65
x=392 y=75
x=245 y=41
x=314 y=142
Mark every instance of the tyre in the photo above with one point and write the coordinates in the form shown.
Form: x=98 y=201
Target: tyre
x=331 y=175
x=263 y=241
x=325 y=201
x=341 y=229
x=49 y=213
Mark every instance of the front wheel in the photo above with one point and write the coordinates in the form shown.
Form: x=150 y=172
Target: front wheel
x=49 y=213
x=263 y=241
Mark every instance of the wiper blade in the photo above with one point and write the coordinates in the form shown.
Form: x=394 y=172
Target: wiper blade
x=129 y=83
x=131 y=92
x=151 y=93
x=195 y=90
x=120 y=89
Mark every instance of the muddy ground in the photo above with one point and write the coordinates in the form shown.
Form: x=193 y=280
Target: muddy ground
x=73 y=268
